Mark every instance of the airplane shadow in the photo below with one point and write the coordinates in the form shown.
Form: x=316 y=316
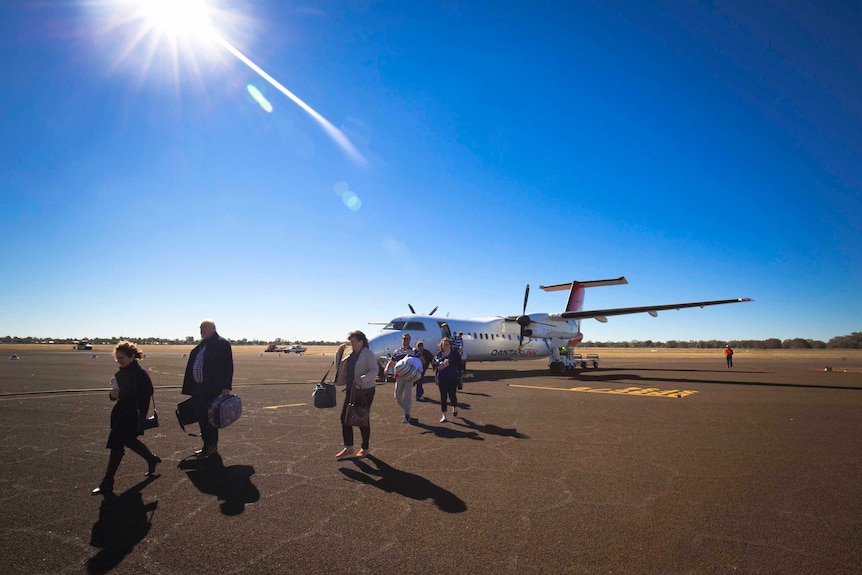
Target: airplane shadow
x=123 y=522
x=447 y=432
x=679 y=381
x=490 y=429
x=231 y=485
x=410 y=485
x=504 y=375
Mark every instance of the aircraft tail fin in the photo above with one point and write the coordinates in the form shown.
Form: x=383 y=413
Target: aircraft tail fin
x=576 y=293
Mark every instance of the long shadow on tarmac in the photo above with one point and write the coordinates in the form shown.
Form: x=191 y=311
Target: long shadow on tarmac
x=447 y=432
x=123 y=522
x=490 y=429
x=502 y=374
x=231 y=485
x=393 y=480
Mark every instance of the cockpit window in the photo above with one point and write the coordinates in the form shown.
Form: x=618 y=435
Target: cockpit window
x=415 y=326
x=395 y=325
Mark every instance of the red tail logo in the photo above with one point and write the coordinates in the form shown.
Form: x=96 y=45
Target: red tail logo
x=576 y=298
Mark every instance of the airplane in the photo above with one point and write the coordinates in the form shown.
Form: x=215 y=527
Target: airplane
x=525 y=336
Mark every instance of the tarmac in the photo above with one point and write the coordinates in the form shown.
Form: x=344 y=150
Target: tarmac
x=643 y=466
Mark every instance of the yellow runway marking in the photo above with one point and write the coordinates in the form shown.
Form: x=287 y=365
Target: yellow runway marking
x=644 y=392
x=288 y=405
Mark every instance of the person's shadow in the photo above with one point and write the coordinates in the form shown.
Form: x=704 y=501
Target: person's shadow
x=231 y=485
x=123 y=522
x=409 y=485
x=490 y=429
x=447 y=432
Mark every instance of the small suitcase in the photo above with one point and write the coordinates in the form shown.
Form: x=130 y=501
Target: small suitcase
x=224 y=410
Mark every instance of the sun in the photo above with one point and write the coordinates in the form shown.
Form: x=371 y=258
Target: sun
x=176 y=17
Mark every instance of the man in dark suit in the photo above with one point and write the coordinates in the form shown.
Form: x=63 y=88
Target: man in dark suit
x=209 y=373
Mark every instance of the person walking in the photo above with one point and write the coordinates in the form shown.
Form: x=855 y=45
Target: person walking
x=357 y=371
x=458 y=346
x=448 y=364
x=728 y=355
x=426 y=357
x=132 y=389
x=209 y=373
x=403 y=390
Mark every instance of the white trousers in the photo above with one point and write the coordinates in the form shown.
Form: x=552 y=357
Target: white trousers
x=404 y=395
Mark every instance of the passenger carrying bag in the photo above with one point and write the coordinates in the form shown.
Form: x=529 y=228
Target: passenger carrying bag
x=409 y=369
x=324 y=393
x=224 y=410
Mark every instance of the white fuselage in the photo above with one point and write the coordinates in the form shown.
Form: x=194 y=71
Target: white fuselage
x=490 y=339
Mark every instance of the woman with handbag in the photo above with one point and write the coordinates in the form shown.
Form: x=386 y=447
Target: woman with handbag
x=357 y=371
x=132 y=389
x=448 y=365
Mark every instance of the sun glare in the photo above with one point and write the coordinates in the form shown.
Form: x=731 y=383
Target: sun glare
x=177 y=17
x=191 y=30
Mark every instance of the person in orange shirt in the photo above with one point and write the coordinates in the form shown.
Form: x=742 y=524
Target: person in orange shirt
x=728 y=355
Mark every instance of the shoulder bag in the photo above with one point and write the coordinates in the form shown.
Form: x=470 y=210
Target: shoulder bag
x=356 y=414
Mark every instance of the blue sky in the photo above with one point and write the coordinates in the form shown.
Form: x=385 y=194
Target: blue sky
x=705 y=151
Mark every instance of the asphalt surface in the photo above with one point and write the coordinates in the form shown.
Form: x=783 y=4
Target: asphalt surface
x=640 y=467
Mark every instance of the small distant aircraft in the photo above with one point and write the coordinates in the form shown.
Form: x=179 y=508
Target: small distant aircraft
x=292 y=349
x=525 y=336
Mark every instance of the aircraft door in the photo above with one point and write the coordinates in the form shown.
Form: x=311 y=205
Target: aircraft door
x=444 y=329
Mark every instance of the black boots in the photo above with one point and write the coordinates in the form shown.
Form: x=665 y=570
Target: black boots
x=151 y=465
x=152 y=460
x=106 y=487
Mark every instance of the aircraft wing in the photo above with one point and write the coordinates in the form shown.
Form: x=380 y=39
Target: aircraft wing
x=602 y=314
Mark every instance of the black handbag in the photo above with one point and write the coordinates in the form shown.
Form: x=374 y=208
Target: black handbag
x=357 y=412
x=145 y=422
x=324 y=393
x=186 y=412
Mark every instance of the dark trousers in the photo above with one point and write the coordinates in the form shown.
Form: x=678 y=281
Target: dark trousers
x=209 y=434
x=116 y=457
x=347 y=430
x=419 y=391
x=448 y=389
x=729 y=361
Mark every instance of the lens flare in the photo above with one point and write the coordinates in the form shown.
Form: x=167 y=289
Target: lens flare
x=352 y=201
x=259 y=98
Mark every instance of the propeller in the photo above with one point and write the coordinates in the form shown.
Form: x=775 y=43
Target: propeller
x=524 y=320
x=413 y=311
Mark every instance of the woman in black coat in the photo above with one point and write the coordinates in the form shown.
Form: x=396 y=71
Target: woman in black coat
x=132 y=390
x=448 y=365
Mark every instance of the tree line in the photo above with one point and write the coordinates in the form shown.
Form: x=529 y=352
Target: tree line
x=190 y=340
x=852 y=341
